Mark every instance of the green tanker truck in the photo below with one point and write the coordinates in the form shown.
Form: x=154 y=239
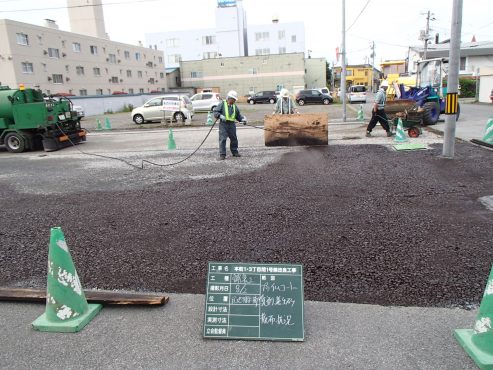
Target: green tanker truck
x=29 y=120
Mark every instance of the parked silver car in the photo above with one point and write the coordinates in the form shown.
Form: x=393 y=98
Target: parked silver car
x=205 y=101
x=152 y=109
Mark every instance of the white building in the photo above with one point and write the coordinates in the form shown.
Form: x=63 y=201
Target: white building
x=86 y=63
x=231 y=37
x=276 y=38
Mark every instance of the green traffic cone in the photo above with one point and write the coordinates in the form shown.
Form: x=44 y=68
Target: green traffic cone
x=488 y=132
x=67 y=310
x=171 y=140
x=400 y=134
x=107 y=124
x=209 y=119
x=361 y=116
x=99 y=126
x=478 y=342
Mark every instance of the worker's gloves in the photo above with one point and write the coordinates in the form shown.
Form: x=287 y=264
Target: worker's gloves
x=244 y=121
x=222 y=118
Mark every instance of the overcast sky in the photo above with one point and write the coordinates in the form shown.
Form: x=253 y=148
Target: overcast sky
x=392 y=24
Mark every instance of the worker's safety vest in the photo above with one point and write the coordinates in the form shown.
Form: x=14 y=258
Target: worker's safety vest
x=226 y=112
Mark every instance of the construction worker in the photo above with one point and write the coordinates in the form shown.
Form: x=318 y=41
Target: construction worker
x=378 y=111
x=228 y=113
x=285 y=104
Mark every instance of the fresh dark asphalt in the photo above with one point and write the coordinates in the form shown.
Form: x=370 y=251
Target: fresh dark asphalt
x=369 y=225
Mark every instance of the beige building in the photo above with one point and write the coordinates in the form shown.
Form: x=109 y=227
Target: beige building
x=255 y=73
x=64 y=62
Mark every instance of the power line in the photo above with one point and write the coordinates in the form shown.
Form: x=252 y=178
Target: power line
x=361 y=12
x=380 y=42
x=76 y=6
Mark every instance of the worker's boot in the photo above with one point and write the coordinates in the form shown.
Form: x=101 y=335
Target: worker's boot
x=368 y=134
x=389 y=133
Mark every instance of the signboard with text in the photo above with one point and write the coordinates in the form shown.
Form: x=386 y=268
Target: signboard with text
x=171 y=105
x=254 y=301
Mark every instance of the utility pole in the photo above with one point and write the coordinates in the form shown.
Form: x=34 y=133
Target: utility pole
x=343 y=63
x=372 y=62
x=453 y=78
x=427 y=32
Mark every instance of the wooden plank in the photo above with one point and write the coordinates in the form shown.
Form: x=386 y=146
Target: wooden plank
x=93 y=296
x=296 y=129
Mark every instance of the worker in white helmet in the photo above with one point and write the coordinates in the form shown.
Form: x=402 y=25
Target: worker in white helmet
x=285 y=104
x=228 y=113
x=378 y=111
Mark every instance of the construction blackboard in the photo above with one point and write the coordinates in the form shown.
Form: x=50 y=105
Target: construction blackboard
x=254 y=301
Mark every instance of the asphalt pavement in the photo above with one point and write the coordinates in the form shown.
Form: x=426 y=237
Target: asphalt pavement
x=337 y=335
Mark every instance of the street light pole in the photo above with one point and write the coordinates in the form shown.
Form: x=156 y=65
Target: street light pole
x=343 y=63
x=453 y=77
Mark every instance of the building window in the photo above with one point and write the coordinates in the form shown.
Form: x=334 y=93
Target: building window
x=139 y=74
x=161 y=75
x=160 y=59
x=97 y=71
x=252 y=71
x=94 y=50
x=79 y=70
x=76 y=47
x=174 y=58
x=262 y=51
x=57 y=79
x=282 y=50
x=112 y=58
x=196 y=74
x=261 y=36
x=27 y=68
x=141 y=91
x=99 y=91
x=208 y=40
x=130 y=91
x=67 y=68
x=83 y=92
x=172 y=43
x=210 y=54
x=53 y=53
x=129 y=73
x=462 y=66
x=114 y=80
x=293 y=38
x=151 y=81
x=22 y=39
x=63 y=43
x=137 y=56
x=126 y=53
x=281 y=35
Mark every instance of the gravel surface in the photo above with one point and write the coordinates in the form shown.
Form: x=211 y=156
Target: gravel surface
x=369 y=225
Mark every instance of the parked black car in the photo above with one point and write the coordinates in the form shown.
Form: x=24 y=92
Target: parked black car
x=263 y=97
x=312 y=96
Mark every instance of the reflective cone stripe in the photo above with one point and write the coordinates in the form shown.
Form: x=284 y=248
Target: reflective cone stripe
x=488 y=135
x=483 y=327
x=400 y=135
x=478 y=342
x=65 y=298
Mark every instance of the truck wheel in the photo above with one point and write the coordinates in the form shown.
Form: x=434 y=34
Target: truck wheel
x=15 y=143
x=431 y=112
x=301 y=102
x=272 y=101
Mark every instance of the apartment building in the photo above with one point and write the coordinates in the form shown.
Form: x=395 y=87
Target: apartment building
x=251 y=74
x=58 y=61
x=231 y=37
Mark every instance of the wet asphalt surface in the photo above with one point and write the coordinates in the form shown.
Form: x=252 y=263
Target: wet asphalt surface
x=369 y=225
